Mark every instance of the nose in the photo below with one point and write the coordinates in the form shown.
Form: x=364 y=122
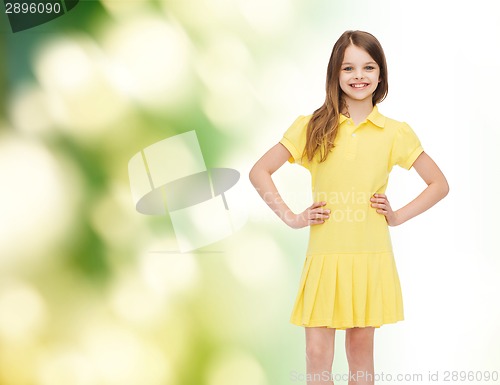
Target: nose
x=358 y=74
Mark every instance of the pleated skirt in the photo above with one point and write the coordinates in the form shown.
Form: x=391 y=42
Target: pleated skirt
x=348 y=290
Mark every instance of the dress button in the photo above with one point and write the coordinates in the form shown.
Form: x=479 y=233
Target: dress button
x=353 y=134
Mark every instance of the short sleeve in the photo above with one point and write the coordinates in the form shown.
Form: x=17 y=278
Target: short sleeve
x=406 y=147
x=294 y=139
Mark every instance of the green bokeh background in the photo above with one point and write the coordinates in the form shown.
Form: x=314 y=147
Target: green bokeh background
x=93 y=293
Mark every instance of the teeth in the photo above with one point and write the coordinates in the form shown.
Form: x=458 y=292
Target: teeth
x=358 y=85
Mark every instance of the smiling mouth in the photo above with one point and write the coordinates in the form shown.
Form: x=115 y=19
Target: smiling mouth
x=359 y=85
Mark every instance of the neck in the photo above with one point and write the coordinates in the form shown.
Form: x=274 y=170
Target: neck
x=358 y=110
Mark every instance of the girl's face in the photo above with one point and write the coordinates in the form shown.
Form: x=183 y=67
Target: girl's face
x=359 y=75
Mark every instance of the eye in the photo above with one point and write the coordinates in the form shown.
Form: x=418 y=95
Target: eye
x=348 y=68
x=369 y=68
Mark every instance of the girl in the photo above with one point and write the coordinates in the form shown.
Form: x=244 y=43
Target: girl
x=349 y=279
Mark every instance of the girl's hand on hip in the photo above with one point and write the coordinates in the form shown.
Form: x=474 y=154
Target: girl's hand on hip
x=383 y=206
x=313 y=215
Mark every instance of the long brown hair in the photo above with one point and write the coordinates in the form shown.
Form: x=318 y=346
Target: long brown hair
x=322 y=127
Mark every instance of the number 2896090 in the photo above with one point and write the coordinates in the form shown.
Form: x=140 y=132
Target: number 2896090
x=33 y=8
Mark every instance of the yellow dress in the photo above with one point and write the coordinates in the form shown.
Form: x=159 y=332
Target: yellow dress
x=349 y=278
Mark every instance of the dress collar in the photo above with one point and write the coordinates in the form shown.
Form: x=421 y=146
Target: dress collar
x=375 y=117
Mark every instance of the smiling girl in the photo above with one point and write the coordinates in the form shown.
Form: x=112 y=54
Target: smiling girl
x=349 y=279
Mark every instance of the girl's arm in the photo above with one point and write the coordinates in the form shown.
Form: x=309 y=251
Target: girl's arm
x=437 y=188
x=260 y=176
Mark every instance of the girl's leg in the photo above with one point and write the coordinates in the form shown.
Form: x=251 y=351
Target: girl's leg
x=359 y=351
x=320 y=343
